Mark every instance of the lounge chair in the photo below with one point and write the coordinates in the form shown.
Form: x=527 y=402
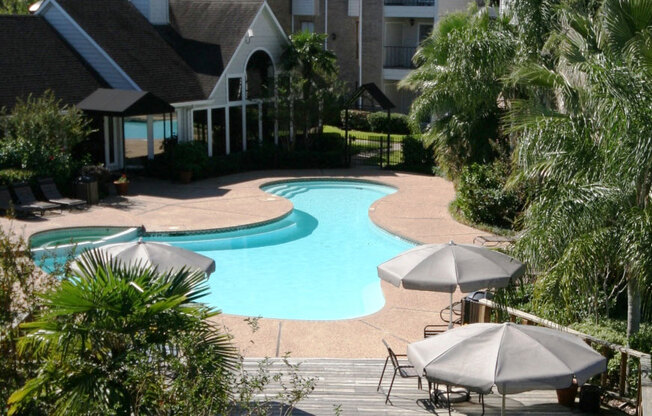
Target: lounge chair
x=53 y=195
x=405 y=370
x=7 y=203
x=26 y=199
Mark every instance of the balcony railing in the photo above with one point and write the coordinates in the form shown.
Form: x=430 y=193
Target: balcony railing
x=399 y=56
x=409 y=2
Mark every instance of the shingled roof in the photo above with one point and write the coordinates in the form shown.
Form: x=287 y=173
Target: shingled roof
x=214 y=22
x=33 y=59
x=135 y=45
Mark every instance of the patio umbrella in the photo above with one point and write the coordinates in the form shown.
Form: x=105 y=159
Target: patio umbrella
x=515 y=358
x=444 y=267
x=163 y=256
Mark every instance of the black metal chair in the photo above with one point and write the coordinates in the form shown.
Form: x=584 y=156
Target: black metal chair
x=7 y=204
x=432 y=330
x=27 y=199
x=52 y=194
x=405 y=370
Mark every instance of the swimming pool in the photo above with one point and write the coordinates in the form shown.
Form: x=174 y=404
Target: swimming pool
x=318 y=263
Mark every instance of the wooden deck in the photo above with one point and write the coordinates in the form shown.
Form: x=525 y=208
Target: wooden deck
x=351 y=385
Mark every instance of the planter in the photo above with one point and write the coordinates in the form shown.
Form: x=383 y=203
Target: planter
x=121 y=188
x=185 y=176
x=566 y=397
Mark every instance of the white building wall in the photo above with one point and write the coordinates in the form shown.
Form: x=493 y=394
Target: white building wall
x=266 y=36
x=89 y=50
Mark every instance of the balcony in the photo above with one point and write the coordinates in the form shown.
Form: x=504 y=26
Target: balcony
x=411 y=8
x=409 y=2
x=399 y=56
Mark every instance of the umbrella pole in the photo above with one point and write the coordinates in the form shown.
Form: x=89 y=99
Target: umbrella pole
x=502 y=409
x=450 y=312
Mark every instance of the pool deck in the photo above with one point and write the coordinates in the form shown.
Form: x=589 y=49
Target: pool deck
x=418 y=211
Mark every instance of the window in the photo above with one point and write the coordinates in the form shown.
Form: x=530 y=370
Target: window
x=235 y=89
x=424 y=32
x=308 y=27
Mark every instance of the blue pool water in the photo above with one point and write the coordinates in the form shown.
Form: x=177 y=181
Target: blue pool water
x=318 y=263
x=135 y=129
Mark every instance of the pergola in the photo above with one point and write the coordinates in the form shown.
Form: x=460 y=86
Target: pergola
x=377 y=95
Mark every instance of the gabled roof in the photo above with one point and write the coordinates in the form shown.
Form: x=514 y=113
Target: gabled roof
x=133 y=43
x=214 y=22
x=33 y=59
x=124 y=103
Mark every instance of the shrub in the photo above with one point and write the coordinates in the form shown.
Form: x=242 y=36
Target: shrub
x=9 y=176
x=417 y=157
x=398 y=123
x=40 y=134
x=357 y=120
x=481 y=196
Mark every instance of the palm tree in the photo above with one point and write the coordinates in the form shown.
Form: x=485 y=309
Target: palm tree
x=113 y=339
x=459 y=86
x=586 y=147
x=311 y=67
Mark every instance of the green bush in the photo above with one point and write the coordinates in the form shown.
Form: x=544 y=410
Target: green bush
x=357 y=120
x=9 y=176
x=417 y=157
x=481 y=196
x=39 y=135
x=398 y=123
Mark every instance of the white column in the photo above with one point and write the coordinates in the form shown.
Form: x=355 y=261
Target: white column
x=227 y=129
x=150 y=136
x=209 y=121
x=244 y=125
x=260 y=122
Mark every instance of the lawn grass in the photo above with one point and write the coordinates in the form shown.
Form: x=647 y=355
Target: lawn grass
x=367 y=135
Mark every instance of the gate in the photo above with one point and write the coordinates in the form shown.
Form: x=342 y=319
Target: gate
x=374 y=150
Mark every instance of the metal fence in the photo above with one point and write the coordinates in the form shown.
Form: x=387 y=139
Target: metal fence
x=374 y=150
x=399 y=56
x=409 y=2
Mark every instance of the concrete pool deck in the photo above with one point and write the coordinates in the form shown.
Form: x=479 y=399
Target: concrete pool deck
x=418 y=211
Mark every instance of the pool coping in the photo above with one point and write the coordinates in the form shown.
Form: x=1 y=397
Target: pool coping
x=417 y=212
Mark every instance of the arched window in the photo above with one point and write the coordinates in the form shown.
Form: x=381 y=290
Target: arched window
x=260 y=76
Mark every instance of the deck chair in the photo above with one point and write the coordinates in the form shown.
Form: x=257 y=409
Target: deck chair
x=432 y=330
x=27 y=199
x=7 y=203
x=52 y=194
x=444 y=314
x=405 y=370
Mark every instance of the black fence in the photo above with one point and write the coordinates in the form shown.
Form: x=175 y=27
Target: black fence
x=372 y=150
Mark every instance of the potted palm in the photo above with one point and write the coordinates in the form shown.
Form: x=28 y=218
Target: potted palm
x=121 y=185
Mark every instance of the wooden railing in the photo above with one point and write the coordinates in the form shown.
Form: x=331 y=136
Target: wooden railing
x=485 y=310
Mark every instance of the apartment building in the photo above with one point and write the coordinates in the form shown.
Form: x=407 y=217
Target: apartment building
x=374 y=40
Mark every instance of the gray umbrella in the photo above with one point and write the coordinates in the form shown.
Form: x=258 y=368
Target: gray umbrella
x=444 y=267
x=515 y=358
x=160 y=255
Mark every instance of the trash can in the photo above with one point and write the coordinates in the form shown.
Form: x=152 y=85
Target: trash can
x=590 y=397
x=86 y=189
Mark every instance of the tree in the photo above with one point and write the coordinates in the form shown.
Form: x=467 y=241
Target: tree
x=39 y=134
x=458 y=79
x=312 y=70
x=585 y=145
x=14 y=7
x=19 y=283
x=117 y=340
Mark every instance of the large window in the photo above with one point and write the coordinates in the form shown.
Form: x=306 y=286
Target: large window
x=307 y=26
x=200 y=125
x=235 y=89
x=235 y=128
x=260 y=76
x=219 y=131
